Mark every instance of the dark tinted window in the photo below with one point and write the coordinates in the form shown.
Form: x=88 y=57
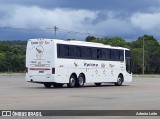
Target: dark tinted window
x=85 y=52
x=99 y=56
x=128 y=61
x=74 y=51
x=127 y=54
x=113 y=54
x=116 y=54
x=121 y=55
x=62 y=50
x=82 y=52
x=77 y=51
x=105 y=53
x=94 y=53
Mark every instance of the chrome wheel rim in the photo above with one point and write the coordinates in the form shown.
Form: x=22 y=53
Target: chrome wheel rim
x=72 y=81
x=81 y=81
x=119 y=80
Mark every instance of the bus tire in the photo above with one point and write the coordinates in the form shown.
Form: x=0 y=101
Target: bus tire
x=119 y=80
x=72 y=81
x=97 y=84
x=47 y=85
x=80 y=80
x=58 y=85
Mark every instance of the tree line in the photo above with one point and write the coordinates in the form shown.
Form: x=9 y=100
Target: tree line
x=12 y=56
x=145 y=44
x=12 y=53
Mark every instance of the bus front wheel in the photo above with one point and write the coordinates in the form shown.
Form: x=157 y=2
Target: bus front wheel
x=72 y=81
x=119 y=80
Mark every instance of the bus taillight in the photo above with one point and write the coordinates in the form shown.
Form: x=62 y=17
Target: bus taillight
x=53 y=70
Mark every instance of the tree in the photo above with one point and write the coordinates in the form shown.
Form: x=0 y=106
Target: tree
x=90 y=38
x=117 y=41
x=12 y=56
x=151 y=53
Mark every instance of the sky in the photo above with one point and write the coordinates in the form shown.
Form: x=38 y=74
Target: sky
x=129 y=19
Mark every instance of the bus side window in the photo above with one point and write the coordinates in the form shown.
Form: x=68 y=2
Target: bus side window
x=117 y=55
x=113 y=54
x=99 y=54
x=94 y=53
x=77 y=52
x=62 y=50
x=105 y=54
x=86 y=52
x=121 y=55
x=74 y=51
x=71 y=51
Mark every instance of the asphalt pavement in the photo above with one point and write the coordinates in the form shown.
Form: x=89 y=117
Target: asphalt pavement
x=142 y=94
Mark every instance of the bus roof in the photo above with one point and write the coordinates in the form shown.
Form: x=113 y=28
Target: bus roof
x=82 y=43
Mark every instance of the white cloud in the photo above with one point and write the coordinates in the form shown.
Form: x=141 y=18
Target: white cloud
x=38 y=17
x=114 y=20
x=72 y=19
x=146 y=21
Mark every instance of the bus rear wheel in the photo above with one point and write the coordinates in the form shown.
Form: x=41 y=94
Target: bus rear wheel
x=47 y=85
x=119 y=80
x=58 y=85
x=97 y=84
x=80 y=81
x=72 y=81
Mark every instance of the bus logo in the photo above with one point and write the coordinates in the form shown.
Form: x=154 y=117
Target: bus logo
x=39 y=49
x=34 y=43
x=90 y=64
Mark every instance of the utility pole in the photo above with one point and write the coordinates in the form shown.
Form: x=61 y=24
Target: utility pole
x=143 y=57
x=55 y=30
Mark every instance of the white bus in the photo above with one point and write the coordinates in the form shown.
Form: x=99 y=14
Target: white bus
x=54 y=62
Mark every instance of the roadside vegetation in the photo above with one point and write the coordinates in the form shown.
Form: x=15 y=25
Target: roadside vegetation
x=12 y=56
